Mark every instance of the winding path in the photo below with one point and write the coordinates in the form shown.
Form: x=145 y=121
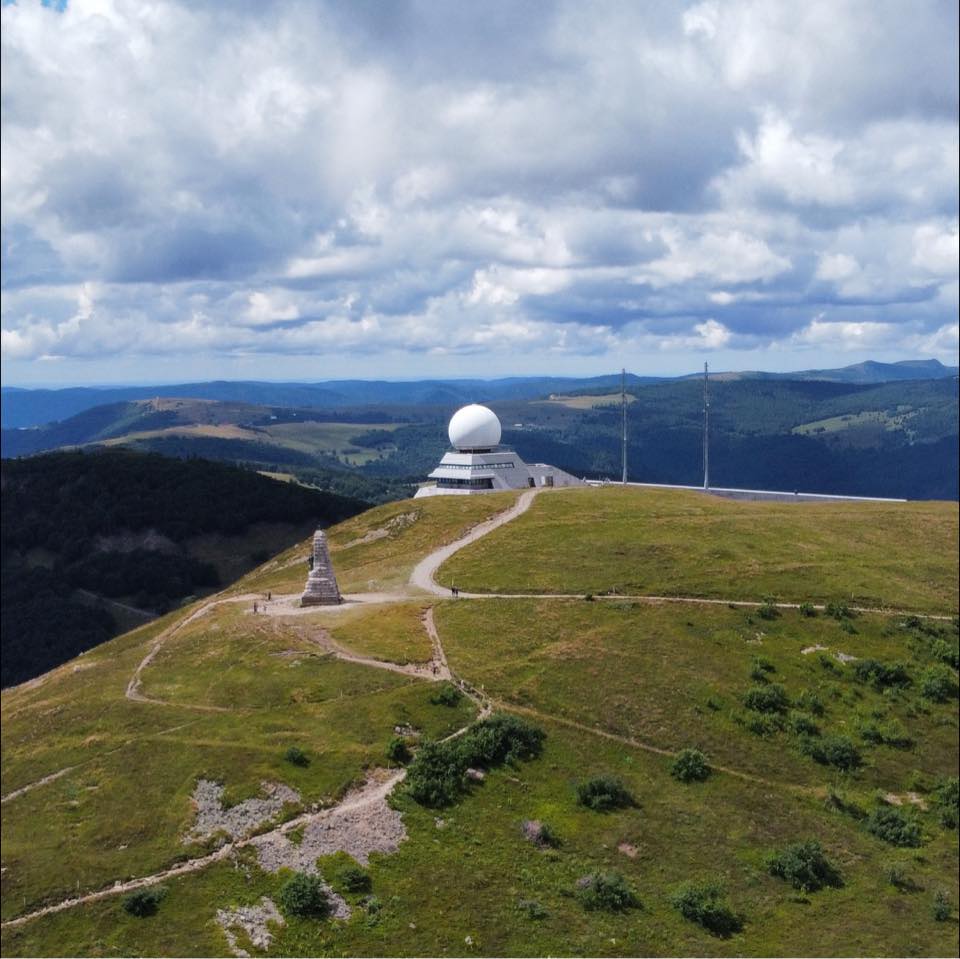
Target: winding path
x=423 y=572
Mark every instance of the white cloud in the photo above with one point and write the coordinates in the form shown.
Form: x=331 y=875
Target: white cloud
x=280 y=178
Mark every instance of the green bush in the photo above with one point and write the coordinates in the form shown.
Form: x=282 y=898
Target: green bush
x=502 y=738
x=882 y=675
x=811 y=702
x=808 y=609
x=840 y=611
x=767 y=699
x=759 y=669
x=446 y=695
x=435 y=777
x=398 y=751
x=703 y=903
x=804 y=866
x=803 y=725
x=836 y=751
x=532 y=908
x=354 y=879
x=891 y=825
x=296 y=756
x=890 y=733
x=606 y=890
x=143 y=902
x=936 y=683
x=690 y=766
x=946 y=653
x=603 y=793
x=942 y=907
x=304 y=895
x=946 y=801
x=768 y=610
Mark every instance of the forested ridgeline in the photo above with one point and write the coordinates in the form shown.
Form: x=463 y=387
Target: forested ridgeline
x=83 y=533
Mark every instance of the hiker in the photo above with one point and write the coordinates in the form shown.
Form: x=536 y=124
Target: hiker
x=269 y=595
x=254 y=605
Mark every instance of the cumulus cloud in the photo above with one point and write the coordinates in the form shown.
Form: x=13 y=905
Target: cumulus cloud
x=590 y=184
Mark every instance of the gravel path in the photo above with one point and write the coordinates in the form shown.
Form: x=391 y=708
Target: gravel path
x=424 y=571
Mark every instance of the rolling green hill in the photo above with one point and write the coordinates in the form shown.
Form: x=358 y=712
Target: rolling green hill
x=820 y=819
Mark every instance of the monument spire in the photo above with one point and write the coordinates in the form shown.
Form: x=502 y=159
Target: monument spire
x=321 y=588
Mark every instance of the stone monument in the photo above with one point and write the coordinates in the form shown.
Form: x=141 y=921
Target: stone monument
x=321 y=588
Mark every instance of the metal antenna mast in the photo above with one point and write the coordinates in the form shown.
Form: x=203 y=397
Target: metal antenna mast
x=706 y=426
x=623 y=419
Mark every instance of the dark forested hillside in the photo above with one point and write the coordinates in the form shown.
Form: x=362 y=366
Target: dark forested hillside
x=88 y=539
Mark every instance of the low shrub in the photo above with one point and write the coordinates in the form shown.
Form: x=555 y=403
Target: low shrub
x=606 y=890
x=304 y=895
x=446 y=695
x=829 y=664
x=296 y=756
x=896 y=876
x=703 y=903
x=764 y=725
x=836 y=751
x=768 y=610
x=808 y=609
x=398 y=751
x=771 y=698
x=690 y=766
x=890 y=733
x=946 y=653
x=603 y=793
x=804 y=866
x=893 y=826
x=759 y=669
x=942 y=907
x=435 y=777
x=946 y=801
x=803 y=724
x=143 y=902
x=532 y=909
x=810 y=702
x=839 y=610
x=937 y=684
x=354 y=879
x=882 y=675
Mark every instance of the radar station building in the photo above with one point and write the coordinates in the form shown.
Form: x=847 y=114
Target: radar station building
x=479 y=464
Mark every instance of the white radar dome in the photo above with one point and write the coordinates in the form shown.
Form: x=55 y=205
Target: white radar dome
x=474 y=427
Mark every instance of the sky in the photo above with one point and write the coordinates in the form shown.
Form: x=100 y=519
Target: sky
x=406 y=189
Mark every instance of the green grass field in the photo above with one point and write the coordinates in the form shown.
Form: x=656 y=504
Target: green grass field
x=640 y=541
x=617 y=686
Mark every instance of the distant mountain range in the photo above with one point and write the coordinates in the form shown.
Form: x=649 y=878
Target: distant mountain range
x=893 y=438
x=36 y=407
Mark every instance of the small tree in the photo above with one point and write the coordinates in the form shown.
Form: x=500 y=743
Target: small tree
x=690 y=766
x=304 y=895
x=446 y=695
x=804 y=866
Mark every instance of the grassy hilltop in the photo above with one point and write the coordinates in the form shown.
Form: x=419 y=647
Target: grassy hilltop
x=826 y=725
